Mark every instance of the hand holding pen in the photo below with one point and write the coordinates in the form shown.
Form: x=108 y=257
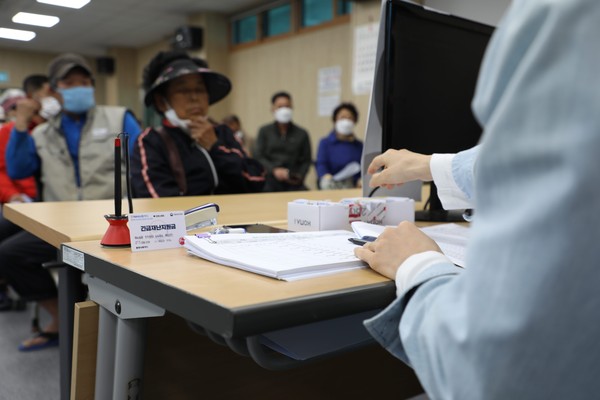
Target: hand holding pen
x=394 y=246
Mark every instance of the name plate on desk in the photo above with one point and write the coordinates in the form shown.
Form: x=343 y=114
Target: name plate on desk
x=156 y=230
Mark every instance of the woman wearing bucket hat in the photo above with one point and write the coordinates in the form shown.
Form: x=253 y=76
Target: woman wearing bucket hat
x=187 y=154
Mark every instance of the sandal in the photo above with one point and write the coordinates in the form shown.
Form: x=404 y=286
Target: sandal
x=50 y=340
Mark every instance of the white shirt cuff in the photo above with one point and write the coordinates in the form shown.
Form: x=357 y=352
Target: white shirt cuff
x=451 y=196
x=414 y=265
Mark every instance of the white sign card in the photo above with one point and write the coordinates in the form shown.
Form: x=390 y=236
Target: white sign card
x=156 y=230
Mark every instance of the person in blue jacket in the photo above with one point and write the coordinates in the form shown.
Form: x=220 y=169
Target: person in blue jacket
x=521 y=321
x=339 y=153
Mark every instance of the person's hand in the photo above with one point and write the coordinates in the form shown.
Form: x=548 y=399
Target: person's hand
x=19 y=198
x=281 y=174
x=203 y=132
x=25 y=111
x=326 y=182
x=399 y=166
x=393 y=247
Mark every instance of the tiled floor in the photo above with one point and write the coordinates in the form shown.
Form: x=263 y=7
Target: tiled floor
x=25 y=376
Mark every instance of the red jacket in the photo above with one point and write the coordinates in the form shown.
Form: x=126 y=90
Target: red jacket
x=10 y=187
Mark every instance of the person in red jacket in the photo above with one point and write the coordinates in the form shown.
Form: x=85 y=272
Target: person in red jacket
x=34 y=109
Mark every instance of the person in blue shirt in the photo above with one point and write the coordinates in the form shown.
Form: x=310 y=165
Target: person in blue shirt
x=74 y=146
x=521 y=321
x=73 y=156
x=339 y=153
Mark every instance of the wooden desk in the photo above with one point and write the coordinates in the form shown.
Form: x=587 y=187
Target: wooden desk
x=228 y=301
x=231 y=303
x=269 y=302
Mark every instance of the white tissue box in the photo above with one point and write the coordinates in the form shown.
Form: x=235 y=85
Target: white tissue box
x=306 y=215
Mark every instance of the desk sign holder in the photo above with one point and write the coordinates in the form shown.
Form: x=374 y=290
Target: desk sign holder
x=117 y=234
x=167 y=229
x=157 y=230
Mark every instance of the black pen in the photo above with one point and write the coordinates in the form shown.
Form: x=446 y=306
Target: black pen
x=118 y=176
x=362 y=240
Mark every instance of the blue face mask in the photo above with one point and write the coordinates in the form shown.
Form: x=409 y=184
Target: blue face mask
x=78 y=100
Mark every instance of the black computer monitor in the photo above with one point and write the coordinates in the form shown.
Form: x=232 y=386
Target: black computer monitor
x=430 y=66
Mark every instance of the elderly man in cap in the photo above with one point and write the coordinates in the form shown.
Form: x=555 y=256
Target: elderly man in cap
x=72 y=153
x=188 y=154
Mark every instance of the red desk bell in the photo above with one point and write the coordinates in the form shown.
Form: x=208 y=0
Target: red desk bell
x=117 y=234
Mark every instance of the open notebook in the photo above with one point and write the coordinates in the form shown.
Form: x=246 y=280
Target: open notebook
x=286 y=256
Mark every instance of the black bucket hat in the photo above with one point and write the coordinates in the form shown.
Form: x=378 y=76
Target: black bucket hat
x=217 y=85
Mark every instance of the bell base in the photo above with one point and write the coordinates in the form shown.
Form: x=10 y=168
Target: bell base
x=117 y=234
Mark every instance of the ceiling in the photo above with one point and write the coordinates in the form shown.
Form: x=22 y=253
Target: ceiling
x=102 y=24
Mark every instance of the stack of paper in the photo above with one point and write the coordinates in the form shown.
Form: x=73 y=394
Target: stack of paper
x=451 y=238
x=286 y=256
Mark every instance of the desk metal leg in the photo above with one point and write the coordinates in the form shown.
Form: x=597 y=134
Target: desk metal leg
x=70 y=291
x=120 y=360
x=121 y=340
x=105 y=358
x=129 y=358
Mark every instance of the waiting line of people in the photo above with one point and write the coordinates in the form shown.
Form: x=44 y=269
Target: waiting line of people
x=58 y=147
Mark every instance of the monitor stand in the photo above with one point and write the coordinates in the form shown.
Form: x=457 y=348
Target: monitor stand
x=435 y=211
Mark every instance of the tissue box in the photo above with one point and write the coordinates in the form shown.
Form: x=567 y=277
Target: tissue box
x=381 y=211
x=306 y=215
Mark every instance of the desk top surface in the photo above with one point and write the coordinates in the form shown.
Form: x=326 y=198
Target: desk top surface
x=74 y=221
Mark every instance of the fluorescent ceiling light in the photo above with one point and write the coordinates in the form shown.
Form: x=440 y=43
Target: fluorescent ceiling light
x=16 y=34
x=35 y=19
x=65 y=3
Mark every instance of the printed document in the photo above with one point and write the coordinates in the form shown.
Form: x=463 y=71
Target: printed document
x=452 y=238
x=286 y=256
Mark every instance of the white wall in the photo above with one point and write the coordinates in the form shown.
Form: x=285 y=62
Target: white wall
x=486 y=11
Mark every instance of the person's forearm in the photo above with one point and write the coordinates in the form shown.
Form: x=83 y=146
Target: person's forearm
x=21 y=158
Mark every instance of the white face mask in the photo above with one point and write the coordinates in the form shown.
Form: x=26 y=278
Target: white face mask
x=283 y=115
x=239 y=135
x=50 y=107
x=344 y=126
x=174 y=119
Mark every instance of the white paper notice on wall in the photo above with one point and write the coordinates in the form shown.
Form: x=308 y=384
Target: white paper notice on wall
x=328 y=103
x=330 y=79
x=330 y=89
x=363 y=65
